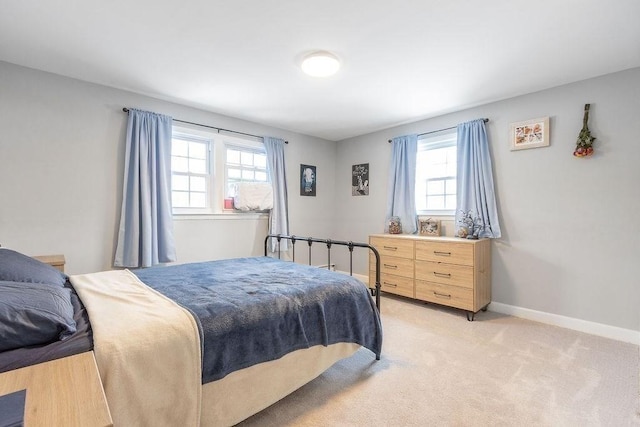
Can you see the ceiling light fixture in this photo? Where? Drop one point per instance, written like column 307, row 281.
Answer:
column 320, row 64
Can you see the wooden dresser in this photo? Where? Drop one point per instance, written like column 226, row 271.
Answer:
column 444, row 270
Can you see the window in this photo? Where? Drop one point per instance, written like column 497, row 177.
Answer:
column 436, row 173
column 190, row 171
column 244, row 164
column 205, row 166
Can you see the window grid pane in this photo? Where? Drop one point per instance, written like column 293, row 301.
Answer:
column 180, row 199
column 233, row 157
column 246, row 158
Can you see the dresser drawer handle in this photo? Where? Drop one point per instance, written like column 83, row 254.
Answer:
column 395, row 267
column 439, row 253
column 448, row 275
column 391, row 248
column 392, row 285
column 442, row 295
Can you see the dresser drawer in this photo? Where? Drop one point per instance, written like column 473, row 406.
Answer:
column 448, row 252
column 393, row 265
column 448, row 274
column 401, row 248
column 453, row 296
column 396, row 285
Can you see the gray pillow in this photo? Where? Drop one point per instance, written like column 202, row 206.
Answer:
column 16, row 267
column 32, row 314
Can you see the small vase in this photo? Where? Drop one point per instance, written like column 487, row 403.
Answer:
column 395, row 227
column 463, row 232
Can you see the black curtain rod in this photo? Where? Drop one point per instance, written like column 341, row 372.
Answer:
column 126, row 110
column 440, row 130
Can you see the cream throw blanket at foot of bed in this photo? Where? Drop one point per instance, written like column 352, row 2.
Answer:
column 147, row 349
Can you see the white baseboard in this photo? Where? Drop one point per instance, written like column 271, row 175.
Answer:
column 607, row 331
column 364, row 279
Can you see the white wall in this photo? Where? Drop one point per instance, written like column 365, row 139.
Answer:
column 570, row 225
column 61, row 168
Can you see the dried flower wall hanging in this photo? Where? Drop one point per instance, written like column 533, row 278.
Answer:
column 584, row 146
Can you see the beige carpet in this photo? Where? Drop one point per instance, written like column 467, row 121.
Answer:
column 437, row 369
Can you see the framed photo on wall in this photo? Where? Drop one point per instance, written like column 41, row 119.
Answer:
column 529, row 134
column 429, row 227
column 307, row 180
column 360, row 180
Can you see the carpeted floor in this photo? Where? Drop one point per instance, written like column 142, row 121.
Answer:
column 437, row 369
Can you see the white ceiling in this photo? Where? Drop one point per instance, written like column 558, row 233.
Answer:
column 401, row 60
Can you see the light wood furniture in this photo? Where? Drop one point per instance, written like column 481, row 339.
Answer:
column 56, row 261
column 63, row 392
column 444, row 270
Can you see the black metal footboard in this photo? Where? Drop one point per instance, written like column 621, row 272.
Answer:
column 375, row 291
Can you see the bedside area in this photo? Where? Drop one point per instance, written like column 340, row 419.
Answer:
column 62, row 392
column 56, row 261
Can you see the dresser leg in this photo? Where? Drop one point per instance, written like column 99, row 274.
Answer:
column 470, row 315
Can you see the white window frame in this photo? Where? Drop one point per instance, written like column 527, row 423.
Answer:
column 433, row 141
column 217, row 179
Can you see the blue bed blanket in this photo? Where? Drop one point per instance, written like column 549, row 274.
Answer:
column 253, row 310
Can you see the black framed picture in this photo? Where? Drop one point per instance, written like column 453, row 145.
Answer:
column 360, row 180
column 307, row 180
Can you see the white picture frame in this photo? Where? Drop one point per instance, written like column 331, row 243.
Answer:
column 527, row 134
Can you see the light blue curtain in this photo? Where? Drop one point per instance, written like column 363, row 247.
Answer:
column 401, row 199
column 475, row 177
column 145, row 237
column 279, row 215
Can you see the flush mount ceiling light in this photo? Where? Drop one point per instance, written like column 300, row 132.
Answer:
column 320, row 64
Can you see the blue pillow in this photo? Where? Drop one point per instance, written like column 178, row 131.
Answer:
column 32, row 314
column 16, row 267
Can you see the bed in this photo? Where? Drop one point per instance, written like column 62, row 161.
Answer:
column 198, row 344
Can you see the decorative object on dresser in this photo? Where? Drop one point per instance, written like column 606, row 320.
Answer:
column 470, row 225
column 443, row 270
column 429, row 227
column 395, row 226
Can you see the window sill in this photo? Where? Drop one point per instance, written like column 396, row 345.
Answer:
column 226, row 216
column 438, row 215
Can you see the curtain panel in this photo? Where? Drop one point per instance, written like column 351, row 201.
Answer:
column 401, row 198
column 475, row 188
column 279, row 214
column 145, row 235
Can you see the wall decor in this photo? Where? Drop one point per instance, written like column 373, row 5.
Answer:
column 360, row 180
column 584, row 145
column 429, row 227
column 307, row 180
column 529, row 134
